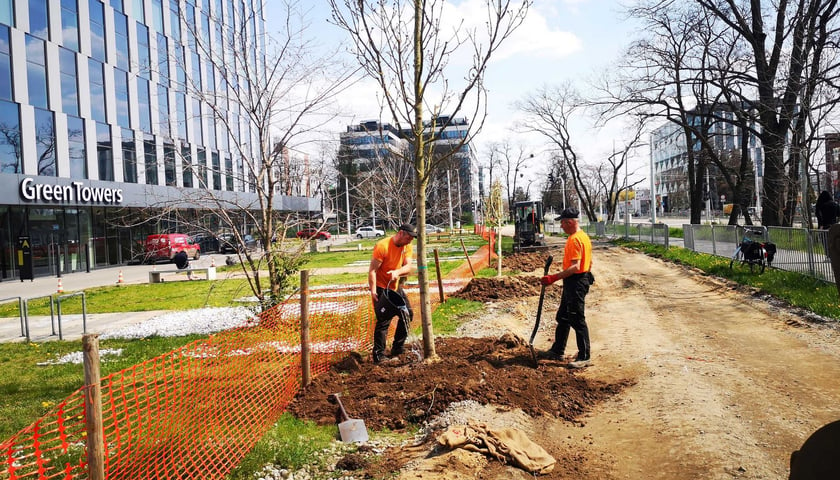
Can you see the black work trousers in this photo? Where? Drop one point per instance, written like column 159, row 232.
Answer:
column 391, row 304
column 572, row 314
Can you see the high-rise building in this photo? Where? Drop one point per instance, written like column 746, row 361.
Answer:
column 99, row 125
column 372, row 145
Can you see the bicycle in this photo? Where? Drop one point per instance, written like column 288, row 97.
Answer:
column 751, row 252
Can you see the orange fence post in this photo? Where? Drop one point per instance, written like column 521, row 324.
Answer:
column 440, row 279
column 93, row 408
column 305, row 346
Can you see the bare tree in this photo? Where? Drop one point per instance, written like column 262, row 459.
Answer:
column 265, row 98
column 405, row 47
column 786, row 58
column 549, row 112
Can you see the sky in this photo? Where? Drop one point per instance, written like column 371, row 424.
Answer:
column 561, row 40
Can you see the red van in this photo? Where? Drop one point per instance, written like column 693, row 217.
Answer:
column 164, row 246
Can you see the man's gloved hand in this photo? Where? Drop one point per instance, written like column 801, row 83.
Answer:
column 549, row 279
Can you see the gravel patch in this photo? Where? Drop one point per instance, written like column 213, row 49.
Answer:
column 176, row 324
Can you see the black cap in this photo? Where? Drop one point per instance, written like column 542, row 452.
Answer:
column 409, row 229
column 568, row 213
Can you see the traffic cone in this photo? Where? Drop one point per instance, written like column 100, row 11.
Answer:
column 212, row 262
column 60, row 288
column 120, row 280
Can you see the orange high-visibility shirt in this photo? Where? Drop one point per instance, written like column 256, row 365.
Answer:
column 392, row 258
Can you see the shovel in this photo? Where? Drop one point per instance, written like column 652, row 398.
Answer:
column 539, row 314
column 350, row 429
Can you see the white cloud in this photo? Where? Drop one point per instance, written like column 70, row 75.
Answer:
column 534, row 38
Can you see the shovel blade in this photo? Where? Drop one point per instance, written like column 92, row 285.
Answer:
column 353, row 430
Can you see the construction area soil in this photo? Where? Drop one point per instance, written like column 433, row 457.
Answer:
column 692, row 378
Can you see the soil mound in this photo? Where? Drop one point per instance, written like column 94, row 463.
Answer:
column 485, row 370
column 528, row 261
column 488, row 289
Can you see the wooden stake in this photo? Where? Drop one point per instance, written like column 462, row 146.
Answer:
column 305, row 347
column 440, row 280
column 464, row 248
column 93, row 407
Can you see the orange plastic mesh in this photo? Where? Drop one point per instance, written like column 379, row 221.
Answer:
column 196, row 411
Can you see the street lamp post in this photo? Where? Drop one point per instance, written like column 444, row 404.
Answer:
column 449, row 194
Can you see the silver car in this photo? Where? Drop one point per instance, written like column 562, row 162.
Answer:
column 368, row 232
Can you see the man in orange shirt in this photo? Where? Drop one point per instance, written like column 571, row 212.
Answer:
column 391, row 260
column 576, row 276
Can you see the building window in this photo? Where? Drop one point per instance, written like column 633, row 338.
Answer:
column 198, row 133
column 69, row 87
column 186, row 162
column 121, row 93
column 157, row 15
column 181, row 108
column 70, row 24
column 144, row 52
column 129, row 151
column 39, row 15
column 240, row 170
column 97, row 30
column 45, row 142
column 97, row 90
column 196, row 71
column 175, row 22
column 36, row 72
column 144, row 106
column 163, row 59
column 104, row 152
column 138, row 12
column 163, row 111
column 76, row 143
column 117, row 5
column 121, row 40
column 5, row 65
column 10, row 152
column 169, row 164
column 150, row 163
column 201, row 170
column 228, row 173
column 7, row 12
column 217, row 171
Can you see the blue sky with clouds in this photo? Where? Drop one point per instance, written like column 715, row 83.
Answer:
column 560, row 40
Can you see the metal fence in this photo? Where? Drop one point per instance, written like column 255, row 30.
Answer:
column 798, row 250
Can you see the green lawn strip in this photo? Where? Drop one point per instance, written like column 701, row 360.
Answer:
column 799, row 290
column 28, row 390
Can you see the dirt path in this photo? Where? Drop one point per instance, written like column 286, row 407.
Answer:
column 692, row 379
column 726, row 386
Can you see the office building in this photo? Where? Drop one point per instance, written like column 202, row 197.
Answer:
column 102, row 141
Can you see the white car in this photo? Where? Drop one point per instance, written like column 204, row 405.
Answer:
column 368, row 232
column 433, row 228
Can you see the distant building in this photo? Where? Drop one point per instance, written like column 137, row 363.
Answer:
column 669, row 155
column 832, row 162
column 371, row 144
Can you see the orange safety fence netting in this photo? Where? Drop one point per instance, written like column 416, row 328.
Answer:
column 196, row 411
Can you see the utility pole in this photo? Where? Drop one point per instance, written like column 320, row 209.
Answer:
column 347, row 199
column 449, row 193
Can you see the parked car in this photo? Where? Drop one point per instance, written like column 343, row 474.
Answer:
column 207, row 242
column 229, row 244
column 433, row 228
column 313, row 233
column 164, row 246
column 368, row 232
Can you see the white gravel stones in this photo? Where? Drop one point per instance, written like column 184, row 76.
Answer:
column 175, row 324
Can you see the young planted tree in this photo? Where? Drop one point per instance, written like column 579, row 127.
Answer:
column 406, row 47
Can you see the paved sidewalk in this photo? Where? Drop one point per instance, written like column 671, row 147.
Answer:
column 41, row 328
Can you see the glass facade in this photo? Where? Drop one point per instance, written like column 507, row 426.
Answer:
column 108, row 102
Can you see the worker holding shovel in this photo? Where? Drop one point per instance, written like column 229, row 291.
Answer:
column 391, row 260
column 576, row 276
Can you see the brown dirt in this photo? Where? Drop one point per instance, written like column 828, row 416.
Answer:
column 489, row 371
column 692, row 379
